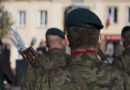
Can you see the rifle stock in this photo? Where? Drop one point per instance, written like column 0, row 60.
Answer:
column 101, row 54
column 30, row 55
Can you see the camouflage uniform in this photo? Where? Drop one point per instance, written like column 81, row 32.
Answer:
column 29, row 78
column 123, row 62
column 84, row 60
column 95, row 75
column 56, row 75
column 110, row 78
column 87, row 66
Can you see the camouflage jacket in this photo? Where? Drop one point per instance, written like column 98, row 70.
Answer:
column 110, row 78
column 96, row 75
column 123, row 62
column 28, row 80
column 87, row 66
column 55, row 76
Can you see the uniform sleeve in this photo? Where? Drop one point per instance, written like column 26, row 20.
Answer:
column 29, row 78
column 118, row 63
column 110, row 78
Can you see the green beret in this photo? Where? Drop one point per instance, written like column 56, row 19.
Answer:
column 55, row 31
column 125, row 29
column 83, row 17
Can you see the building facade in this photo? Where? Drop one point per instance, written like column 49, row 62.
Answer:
column 33, row 17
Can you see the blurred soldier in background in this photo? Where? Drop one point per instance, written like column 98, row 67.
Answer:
column 33, row 42
column 110, row 53
column 41, row 50
column 55, row 75
column 123, row 61
column 55, row 38
column 1, row 69
column 5, row 68
column 53, row 63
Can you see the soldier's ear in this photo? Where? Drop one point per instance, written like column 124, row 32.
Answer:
column 47, row 44
column 66, row 40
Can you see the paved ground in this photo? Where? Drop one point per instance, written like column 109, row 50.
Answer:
column 15, row 88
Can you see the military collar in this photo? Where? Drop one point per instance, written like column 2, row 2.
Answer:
column 88, row 51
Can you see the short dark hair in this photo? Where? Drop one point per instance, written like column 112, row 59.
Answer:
column 125, row 29
column 80, row 37
column 126, row 37
column 52, row 41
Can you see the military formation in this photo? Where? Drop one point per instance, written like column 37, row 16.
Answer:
column 82, row 69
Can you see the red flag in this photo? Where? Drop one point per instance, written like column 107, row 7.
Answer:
column 110, row 18
column 107, row 22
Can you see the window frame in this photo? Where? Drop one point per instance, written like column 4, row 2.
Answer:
column 22, row 17
column 113, row 9
column 43, row 18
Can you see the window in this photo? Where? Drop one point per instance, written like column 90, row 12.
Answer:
column 113, row 14
column 43, row 18
column 22, row 18
column 129, row 15
column 78, row 1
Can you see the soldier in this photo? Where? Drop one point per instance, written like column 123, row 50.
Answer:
column 123, row 61
column 53, row 63
column 83, row 29
column 56, row 76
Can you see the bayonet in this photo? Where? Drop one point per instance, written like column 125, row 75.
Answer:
column 28, row 53
column 18, row 40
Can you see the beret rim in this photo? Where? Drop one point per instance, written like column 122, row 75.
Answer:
column 56, row 32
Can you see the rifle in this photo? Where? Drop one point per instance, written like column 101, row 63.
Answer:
column 28, row 53
column 101, row 54
column 103, row 57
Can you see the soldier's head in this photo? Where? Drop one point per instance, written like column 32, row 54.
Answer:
column 126, row 36
column 83, row 28
column 55, row 38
